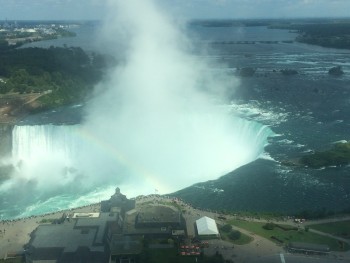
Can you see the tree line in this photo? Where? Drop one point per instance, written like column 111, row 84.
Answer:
column 66, row 74
column 327, row 34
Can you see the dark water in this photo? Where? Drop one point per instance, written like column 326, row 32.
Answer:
column 87, row 34
column 309, row 111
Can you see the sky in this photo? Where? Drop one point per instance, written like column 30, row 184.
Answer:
column 183, row 9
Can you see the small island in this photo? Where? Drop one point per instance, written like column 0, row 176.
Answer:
column 288, row 72
column 336, row 71
column 339, row 155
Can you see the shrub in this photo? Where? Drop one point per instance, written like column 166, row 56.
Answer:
column 226, row 228
column 234, row 235
column 269, row 226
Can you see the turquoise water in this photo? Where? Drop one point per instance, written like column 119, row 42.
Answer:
column 307, row 112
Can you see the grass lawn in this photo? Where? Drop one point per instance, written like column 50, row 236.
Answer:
column 244, row 239
column 341, row 229
column 170, row 255
column 167, row 255
column 12, row 260
column 289, row 236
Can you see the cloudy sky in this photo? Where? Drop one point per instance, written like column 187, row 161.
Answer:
column 96, row 9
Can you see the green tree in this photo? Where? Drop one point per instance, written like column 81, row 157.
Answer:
column 226, row 228
column 234, row 235
column 269, row 226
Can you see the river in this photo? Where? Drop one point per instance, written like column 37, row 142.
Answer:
column 303, row 113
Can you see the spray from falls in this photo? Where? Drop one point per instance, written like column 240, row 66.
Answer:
column 156, row 122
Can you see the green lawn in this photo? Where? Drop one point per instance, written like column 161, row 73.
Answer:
column 341, row 229
column 289, row 236
column 166, row 255
column 171, row 256
column 244, row 239
column 12, row 260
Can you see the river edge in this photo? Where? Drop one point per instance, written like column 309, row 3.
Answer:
column 15, row 234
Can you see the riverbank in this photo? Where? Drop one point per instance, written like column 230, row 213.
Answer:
column 14, row 234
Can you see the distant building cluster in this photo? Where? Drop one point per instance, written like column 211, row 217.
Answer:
column 14, row 32
column 115, row 234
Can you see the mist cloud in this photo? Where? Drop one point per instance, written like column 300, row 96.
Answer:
column 160, row 107
column 159, row 120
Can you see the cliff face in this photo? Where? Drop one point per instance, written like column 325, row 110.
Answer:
column 5, row 140
column 14, row 106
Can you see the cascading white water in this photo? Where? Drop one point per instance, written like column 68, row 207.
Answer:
column 30, row 143
column 47, row 153
column 153, row 124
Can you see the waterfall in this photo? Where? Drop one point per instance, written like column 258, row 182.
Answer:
column 39, row 142
column 57, row 164
column 40, row 146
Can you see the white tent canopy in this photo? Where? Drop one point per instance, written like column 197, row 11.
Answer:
column 206, row 226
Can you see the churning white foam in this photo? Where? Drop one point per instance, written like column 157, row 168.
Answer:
column 155, row 122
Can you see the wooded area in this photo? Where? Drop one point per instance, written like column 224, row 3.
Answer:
column 66, row 75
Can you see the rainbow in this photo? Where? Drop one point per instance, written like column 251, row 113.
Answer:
column 140, row 171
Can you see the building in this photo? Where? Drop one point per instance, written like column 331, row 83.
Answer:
column 207, row 228
column 155, row 221
column 80, row 238
column 125, row 248
column 117, row 203
column 116, row 234
column 151, row 221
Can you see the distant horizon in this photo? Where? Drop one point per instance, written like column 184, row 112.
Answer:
column 178, row 9
column 192, row 19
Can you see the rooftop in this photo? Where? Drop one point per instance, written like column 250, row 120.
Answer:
column 158, row 214
column 75, row 233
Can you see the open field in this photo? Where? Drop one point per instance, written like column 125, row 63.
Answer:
column 341, row 229
column 285, row 237
column 12, row 260
column 171, row 255
column 242, row 240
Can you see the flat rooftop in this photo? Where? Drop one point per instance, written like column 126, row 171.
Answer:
column 86, row 215
column 158, row 214
column 63, row 236
column 87, row 231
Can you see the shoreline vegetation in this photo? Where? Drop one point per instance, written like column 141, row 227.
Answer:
column 325, row 32
column 337, row 156
column 37, row 79
column 330, row 34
